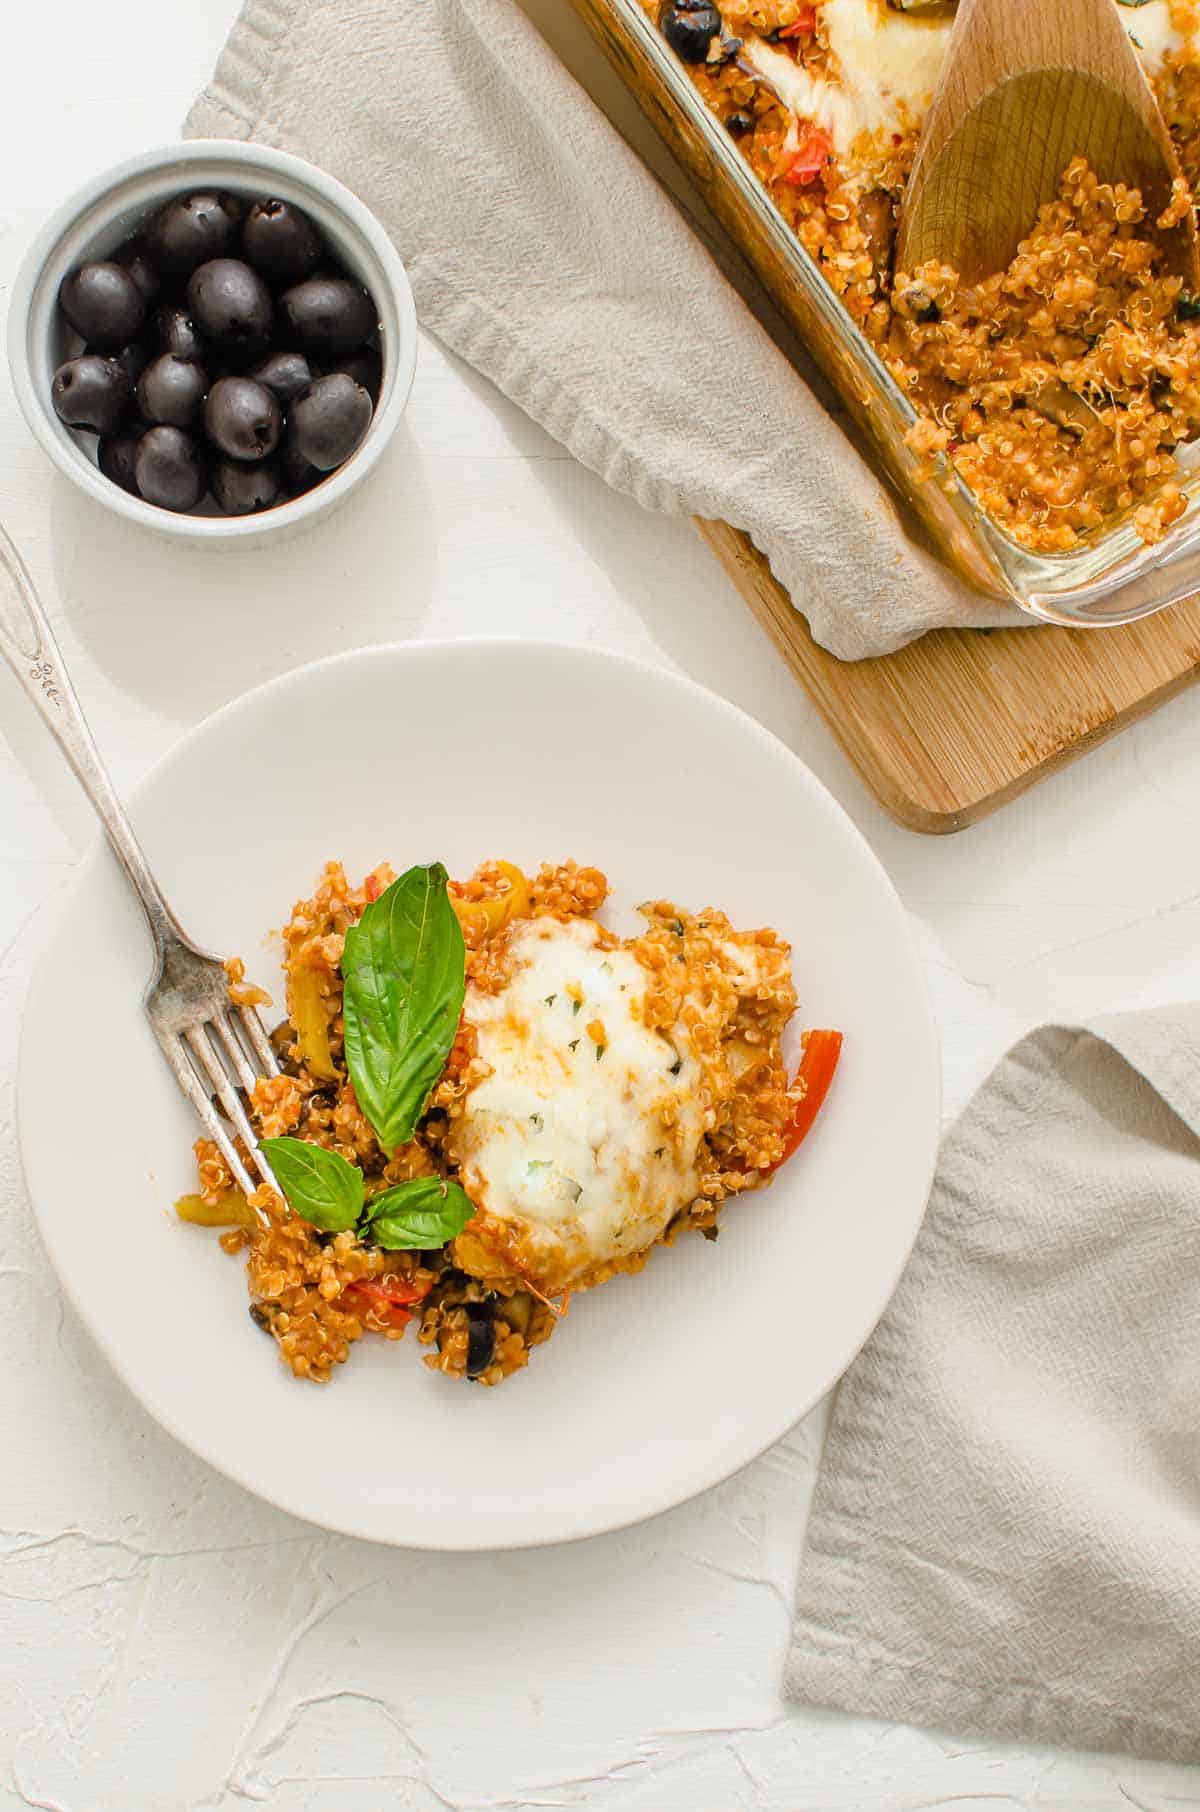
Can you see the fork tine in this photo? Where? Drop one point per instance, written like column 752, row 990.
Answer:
column 235, row 1051
column 260, row 1044
column 189, row 1081
column 201, row 1044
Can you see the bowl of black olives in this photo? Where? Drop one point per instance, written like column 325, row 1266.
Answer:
column 217, row 340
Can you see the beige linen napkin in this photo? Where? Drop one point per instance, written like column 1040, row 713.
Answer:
column 542, row 251
column 1005, row 1538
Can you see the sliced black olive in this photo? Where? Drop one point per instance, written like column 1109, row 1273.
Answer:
column 739, row 123
column 321, row 1100
column 916, row 301
column 689, row 26
column 481, row 1336
column 1187, row 308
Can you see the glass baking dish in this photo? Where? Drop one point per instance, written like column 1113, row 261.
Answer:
column 1114, row 578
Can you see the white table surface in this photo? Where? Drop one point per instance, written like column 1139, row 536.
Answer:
column 167, row 1642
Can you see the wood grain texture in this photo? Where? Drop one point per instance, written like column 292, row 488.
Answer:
column 956, row 724
column 1026, row 87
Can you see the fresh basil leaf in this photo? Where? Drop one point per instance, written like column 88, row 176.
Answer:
column 403, row 974
column 418, row 1215
column 320, row 1186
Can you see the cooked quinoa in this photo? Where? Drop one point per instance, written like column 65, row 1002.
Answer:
column 485, row 1298
column 1085, row 303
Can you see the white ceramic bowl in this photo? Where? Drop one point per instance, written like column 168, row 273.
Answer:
column 116, row 204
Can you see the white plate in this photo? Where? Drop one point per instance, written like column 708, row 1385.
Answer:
column 656, row 1386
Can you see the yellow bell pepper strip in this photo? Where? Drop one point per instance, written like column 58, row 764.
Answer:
column 232, row 1210
column 487, row 917
column 310, row 1016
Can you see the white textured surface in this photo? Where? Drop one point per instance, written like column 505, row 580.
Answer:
column 169, row 1645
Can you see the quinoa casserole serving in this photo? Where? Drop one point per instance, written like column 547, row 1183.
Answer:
column 489, row 1101
column 826, row 102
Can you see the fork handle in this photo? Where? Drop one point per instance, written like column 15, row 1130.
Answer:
column 28, row 644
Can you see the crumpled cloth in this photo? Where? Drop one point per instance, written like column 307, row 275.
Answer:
column 1005, row 1536
column 542, row 251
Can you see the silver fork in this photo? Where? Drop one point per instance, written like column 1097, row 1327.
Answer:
column 213, row 1047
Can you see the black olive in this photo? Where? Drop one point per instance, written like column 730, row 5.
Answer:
column 330, row 421
column 91, row 392
column 194, row 228
column 175, row 331
column 242, row 418
column 245, row 490
column 740, row 123
column 287, row 376
column 259, row 1317
column 281, row 242
column 231, row 304
column 116, row 456
column 689, row 26
column 328, row 315
column 132, row 359
column 103, row 304
column 172, row 390
column 170, row 469
column 134, row 256
column 366, row 368
column 481, row 1336
column 298, row 475
column 1187, row 308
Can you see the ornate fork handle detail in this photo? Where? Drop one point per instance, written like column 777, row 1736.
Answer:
column 28, row 644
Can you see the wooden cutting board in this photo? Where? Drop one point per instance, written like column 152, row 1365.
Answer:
column 952, row 726
column 956, row 724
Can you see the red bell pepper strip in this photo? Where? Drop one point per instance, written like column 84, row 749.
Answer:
column 803, row 26
column 817, row 1066
column 814, row 152
column 388, row 1303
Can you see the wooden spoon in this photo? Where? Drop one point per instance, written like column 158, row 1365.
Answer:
column 1028, row 85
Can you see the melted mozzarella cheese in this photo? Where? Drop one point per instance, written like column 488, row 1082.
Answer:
column 885, row 68
column 1153, row 32
column 886, row 65
column 586, row 1155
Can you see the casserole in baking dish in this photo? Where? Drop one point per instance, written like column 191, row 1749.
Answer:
column 800, row 122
